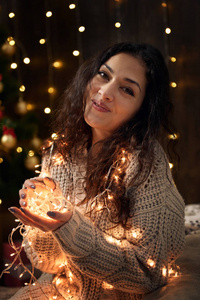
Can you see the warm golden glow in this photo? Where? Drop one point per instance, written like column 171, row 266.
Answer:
column 107, row 286
column 173, row 59
column 31, row 153
column 72, row 6
column 117, row 24
column 13, row 66
column 164, row 272
column 123, row 159
column 42, row 41
column 164, row 4
column 173, row 84
column 30, row 106
column 47, row 110
column 134, row 235
column 54, row 136
column 22, row 88
column 76, row 53
column 171, row 165
column 151, row 263
column 51, row 90
column 168, row 30
column 173, row 136
column 19, row 149
column 11, row 15
column 49, row 14
column 12, row 43
column 26, row 60
column 0, row 201
column 1, row 160
column 57, row 64
column 110, row 197
column 81, row 29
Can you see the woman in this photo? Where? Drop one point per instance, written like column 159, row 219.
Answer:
column 126, row 225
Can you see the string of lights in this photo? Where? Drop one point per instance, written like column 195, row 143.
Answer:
column 169, row 58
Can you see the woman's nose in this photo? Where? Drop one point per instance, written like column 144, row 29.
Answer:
column 107, row 92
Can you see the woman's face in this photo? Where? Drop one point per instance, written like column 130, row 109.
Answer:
column 114, row 95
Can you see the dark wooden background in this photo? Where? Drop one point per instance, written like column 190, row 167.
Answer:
column 142, row 21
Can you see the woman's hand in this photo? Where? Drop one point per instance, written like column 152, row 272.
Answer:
column 44, row 224
column 39, row 184
column 31, row 187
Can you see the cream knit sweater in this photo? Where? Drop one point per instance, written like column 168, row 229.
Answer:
column 87, row 260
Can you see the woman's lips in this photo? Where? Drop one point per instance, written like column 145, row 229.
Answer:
column 100, row 106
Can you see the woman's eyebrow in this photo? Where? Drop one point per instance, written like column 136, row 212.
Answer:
column 126, row 79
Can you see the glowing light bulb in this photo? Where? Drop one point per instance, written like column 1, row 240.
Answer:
column 173, row 136
column 19, row 149
column 47, row 110
column 107, row 286
column 57, row 64
column 164, row 4
column 51, row 90
column 30, row 106
column 54, row 136
column 49, row 14
column 12, row 42
column 11, row 15
column 0, row 201
column 164, row 272
column 26, row 60
column 173, row 84
column 171, row 165
column 173, row 59
column 1, row 160
column 42, row 41
column 151, row 263
column 168, row 30
column 22, row 88
column 81, row 29
column 134, row 235
column 72, row 6
column 110, row 197
column 117, row 24
column 76, row 53
column 13, row 66
column 31, row 153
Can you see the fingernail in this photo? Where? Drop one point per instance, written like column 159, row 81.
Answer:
column 51, row 214
column 12, row 210
column 24, row 203
column 23, row 196
column 33, row 186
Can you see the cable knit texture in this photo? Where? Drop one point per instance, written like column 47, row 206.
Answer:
column 89, row 259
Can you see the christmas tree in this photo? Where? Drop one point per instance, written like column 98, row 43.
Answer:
column 19, row 142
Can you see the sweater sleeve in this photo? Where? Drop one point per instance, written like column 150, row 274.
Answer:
column 137, row 261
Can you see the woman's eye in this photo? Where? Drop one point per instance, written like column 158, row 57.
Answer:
column 128, row 91
column 103, row 74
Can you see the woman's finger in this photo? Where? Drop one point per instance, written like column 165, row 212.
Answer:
column 59, row 216
column 49, row 182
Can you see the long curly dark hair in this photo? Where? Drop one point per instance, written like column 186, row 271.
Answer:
column 139, row 132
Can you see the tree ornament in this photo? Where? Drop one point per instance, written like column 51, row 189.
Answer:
column 8, row 138
column 36, row 142
column 8, row 49
column 31, row 161
column 21, row 107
